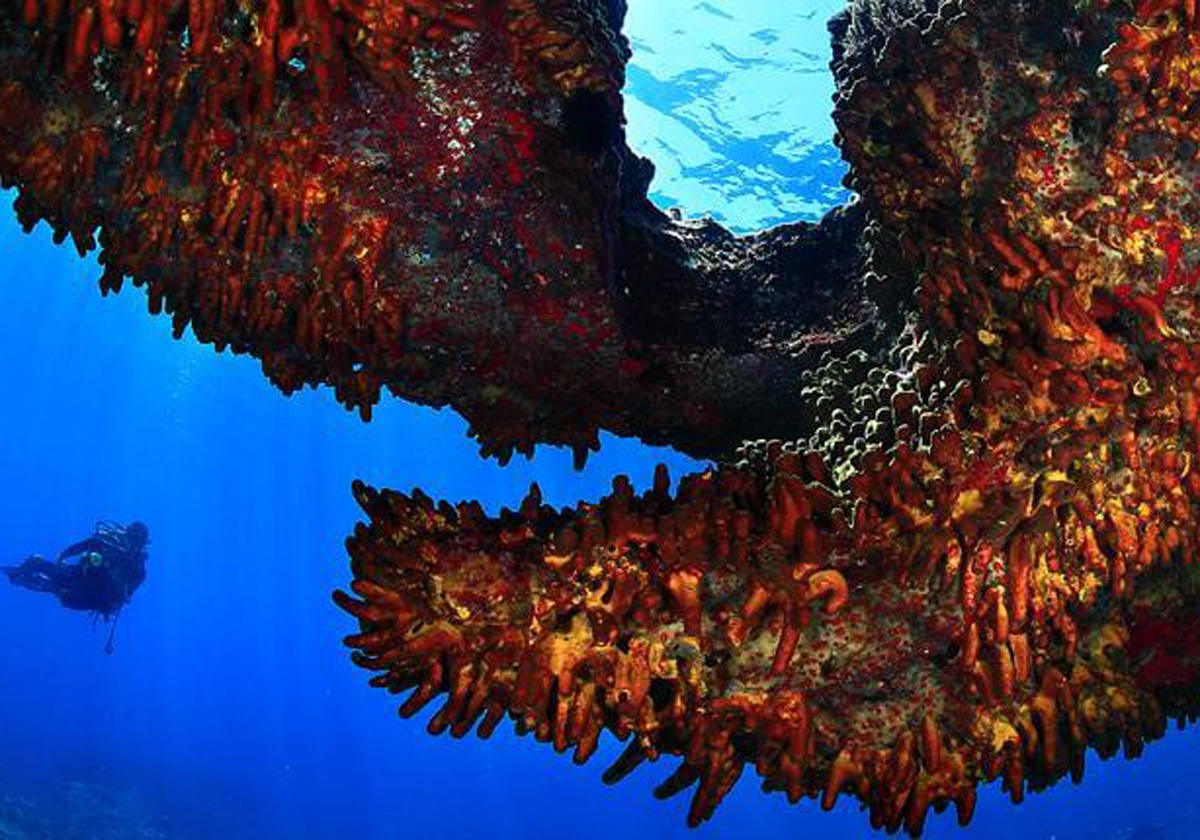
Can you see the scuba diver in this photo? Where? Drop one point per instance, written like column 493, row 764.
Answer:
column 109, row 566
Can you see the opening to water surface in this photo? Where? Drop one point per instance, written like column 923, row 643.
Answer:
column 732, row 102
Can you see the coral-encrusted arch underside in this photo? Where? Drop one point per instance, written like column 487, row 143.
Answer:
column 951, row 533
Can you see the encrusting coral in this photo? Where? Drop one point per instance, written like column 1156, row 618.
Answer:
column 951, row 534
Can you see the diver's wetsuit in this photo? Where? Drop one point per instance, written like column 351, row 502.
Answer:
column 111, row 567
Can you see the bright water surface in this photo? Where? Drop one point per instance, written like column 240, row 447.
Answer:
column 230, row 708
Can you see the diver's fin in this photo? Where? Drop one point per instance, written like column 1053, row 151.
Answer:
column 35, row 573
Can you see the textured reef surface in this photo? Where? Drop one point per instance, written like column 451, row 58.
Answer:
column 951, row 536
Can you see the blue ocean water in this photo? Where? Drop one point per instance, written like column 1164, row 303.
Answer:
column 229, row 708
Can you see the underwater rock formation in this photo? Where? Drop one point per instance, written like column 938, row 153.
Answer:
column 952, row 532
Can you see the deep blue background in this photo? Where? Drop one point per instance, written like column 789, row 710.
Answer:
column 230, row 707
